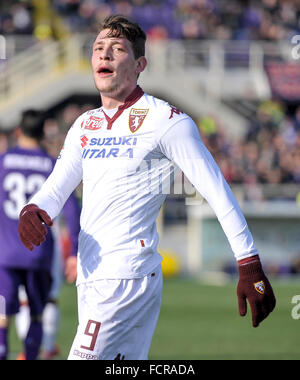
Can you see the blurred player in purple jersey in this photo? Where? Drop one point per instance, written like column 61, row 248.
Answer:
column 23, row 169
column 64, row 264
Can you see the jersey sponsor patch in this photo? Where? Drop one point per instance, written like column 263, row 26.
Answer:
column 84, row 141
column 122, row 146
column 259, row 287
column 93, row 123
column 136, row 118
column 107, row 153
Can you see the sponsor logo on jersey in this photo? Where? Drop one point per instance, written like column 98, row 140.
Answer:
column 84, row 141
column 121, row 147
column 93, row 123
column 123, row 140
column 259, row 287
column 136, row 118
column 84, row 355
column 107, row 153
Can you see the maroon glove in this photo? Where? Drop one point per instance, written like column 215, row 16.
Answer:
column 254, row 286
column 31, row 229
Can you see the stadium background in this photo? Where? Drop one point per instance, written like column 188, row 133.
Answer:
column 234, row 67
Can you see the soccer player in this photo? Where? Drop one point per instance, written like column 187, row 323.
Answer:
column 23, row 170
column 124, row 153
column 60, row 267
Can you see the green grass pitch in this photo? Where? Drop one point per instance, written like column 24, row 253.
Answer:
column 200, row 321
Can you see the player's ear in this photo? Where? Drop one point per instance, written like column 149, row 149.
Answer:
column 141, row 64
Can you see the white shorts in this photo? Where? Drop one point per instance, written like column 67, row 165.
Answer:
column 117, row 318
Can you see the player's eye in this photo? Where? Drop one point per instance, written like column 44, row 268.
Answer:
column 119, row 48
column 98, row 48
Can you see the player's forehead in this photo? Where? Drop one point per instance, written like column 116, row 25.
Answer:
column 106, row 36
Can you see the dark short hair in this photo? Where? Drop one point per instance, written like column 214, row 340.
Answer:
column 120, row 26
column 32, row 123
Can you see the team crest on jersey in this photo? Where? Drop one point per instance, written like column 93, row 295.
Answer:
column 136, row 118
column 259, row 287
column 93, row 123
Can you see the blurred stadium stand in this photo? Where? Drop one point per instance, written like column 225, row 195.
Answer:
column 229, row 64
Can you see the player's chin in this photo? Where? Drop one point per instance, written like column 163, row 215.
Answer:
column 105, row 87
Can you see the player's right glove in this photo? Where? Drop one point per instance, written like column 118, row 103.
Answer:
column 254, row 286
column 31, row 229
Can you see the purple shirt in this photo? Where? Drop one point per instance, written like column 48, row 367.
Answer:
column 22, row 173
column 71, row 213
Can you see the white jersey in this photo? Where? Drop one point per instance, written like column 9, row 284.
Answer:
column 125, row 162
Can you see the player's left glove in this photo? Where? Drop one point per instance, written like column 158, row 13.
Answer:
column 254, row 286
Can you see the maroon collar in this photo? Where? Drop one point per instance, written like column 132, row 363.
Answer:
column 129, row 101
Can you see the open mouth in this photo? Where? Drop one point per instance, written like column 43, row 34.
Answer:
column 104, row 71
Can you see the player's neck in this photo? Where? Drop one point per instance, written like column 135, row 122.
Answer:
column 27, row 142
column 111, row 101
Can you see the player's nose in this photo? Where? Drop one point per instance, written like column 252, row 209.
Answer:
column 105, row 54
